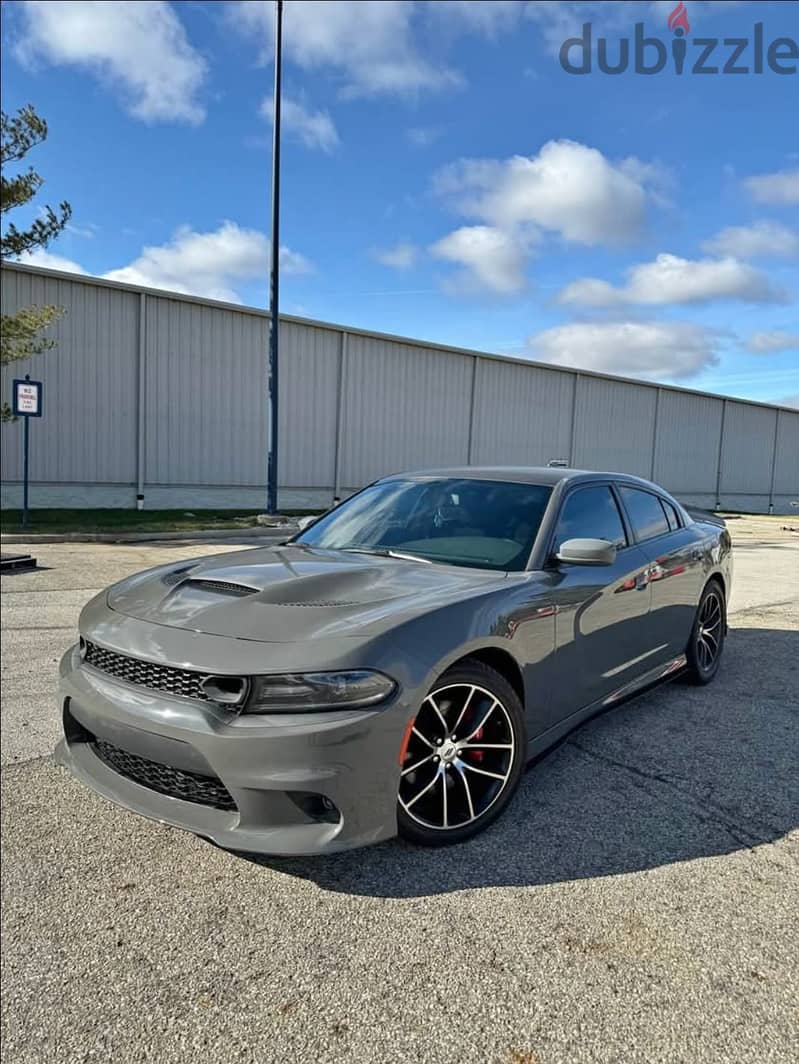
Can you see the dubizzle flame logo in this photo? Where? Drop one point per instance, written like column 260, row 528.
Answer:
column 678, row 19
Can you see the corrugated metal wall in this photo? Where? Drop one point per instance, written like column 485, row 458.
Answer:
column 614, row 425
column 89, row 433
column 165, row 396
column 786, row 461
column 204, row 388
column 403, row 407
column 688, row 442
column 521, row 410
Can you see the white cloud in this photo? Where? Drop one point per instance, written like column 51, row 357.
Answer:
column 207, row 264
column 781, row 187
column 200, row 264
column 400, row 257
column 486, row 17
column 492, row 259
column 423, row 136
column 771, row 341
column 760, row 240
column 314, row 128
column 49, row 261
column 659, row 350
column 670, row 279
column 369, row 43
column 568, row 188
column 86, row 232
column 561, row 19
column 138, row 48
column 790, row 400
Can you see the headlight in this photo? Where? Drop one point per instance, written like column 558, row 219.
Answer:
column 299, row 692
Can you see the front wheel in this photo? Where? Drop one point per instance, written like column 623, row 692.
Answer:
column 464, row 757
column 707, row 636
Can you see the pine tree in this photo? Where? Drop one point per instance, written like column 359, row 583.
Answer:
column 20, row 333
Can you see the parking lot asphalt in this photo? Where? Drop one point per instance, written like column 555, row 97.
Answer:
column 637, row 902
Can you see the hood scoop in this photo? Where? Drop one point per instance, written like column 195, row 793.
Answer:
column 243, row 595
column 321, row 605
column 224, row 587
column 176, row 576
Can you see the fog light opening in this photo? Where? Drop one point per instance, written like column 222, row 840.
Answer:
column 225, row 690
column 316, row 807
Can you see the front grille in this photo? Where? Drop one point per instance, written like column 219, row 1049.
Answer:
column 146, row 673
column 175, row 782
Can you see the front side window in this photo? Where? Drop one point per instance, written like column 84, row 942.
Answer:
column 647, row 516
column 591, row 513
column 483, row 524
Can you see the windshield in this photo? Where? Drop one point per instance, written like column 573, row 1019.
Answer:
column 483, row 524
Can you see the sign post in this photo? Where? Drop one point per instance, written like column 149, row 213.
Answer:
column 27, row 404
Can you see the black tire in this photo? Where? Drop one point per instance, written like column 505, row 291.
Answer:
column 444, row 782
column 706, row 644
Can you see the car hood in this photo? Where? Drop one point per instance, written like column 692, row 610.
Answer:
column 283, row 594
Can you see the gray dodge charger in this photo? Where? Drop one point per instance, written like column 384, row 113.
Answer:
column 393, row 667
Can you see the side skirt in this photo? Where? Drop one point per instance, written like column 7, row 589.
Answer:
column 651, row 678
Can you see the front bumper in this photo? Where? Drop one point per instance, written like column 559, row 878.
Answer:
column 278, row 769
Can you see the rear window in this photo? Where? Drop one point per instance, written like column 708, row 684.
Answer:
column 646, row 513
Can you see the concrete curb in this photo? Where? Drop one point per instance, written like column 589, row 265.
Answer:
column 271, row 535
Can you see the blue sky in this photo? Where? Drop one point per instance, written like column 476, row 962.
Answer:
column 443, row 176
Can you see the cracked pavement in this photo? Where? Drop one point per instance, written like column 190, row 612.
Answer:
column 637, row 902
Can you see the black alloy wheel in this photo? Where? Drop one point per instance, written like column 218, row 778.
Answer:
column 707, row 637
column 464, row 756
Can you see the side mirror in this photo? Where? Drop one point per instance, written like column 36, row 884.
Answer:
column 305, row 522
column 587, row 552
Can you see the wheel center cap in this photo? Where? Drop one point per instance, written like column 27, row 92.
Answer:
column 448, row 750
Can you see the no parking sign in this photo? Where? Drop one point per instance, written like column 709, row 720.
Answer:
column 27, row 398
column 27, row 403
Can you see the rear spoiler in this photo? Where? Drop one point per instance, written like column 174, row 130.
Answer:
column 705, row 515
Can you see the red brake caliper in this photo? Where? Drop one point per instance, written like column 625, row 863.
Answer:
column 477, row 755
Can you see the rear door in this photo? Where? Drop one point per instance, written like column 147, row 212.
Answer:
column 603, row 633
column 675, row 574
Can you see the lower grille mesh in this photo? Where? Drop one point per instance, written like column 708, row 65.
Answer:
column 175, row 782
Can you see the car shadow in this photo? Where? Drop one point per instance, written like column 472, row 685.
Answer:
column 681, row 773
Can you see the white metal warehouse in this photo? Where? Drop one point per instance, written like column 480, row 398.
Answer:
column 163, row 396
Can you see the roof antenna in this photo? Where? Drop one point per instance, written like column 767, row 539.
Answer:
column 557, row 463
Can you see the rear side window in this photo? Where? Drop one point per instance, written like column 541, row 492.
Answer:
column 671, row 515
column 591, row 513
column 647, row 516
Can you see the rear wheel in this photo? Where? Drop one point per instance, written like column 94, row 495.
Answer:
column 464, row 757
column 707, row 637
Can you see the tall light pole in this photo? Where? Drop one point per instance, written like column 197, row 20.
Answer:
column 274, row 314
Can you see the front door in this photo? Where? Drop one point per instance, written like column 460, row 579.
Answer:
column 603, row 633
